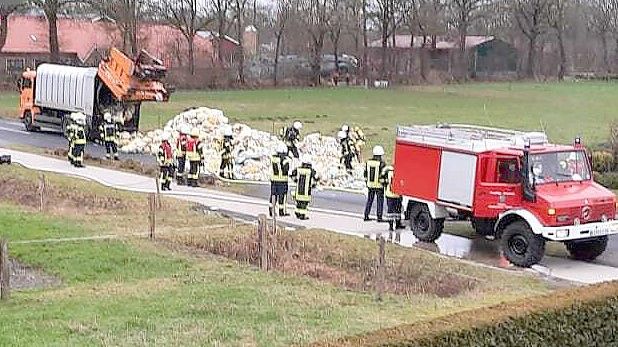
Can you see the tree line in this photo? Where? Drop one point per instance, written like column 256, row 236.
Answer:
column 576, row 34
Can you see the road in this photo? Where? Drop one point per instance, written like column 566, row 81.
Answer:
column 334, row 202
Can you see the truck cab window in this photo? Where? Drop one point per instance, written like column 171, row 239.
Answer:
column 508, row 171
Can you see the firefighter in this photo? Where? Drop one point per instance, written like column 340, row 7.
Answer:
column 109, row 135
column 165, row 158
column 181, row 154
column 373, row 177
column 70, row 133
column 77, row 141
column 306, row 179
column 393, row 202
column 195, row 156
column 347, row 153
column 280, row 163
column 226, row 169
column 291, row 137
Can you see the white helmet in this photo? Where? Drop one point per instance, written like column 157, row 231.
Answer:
column 378, row 150
column 166, row 136
column 342, row 134
column 306, row 159
column 81, row 120
column 345, row 128
column 227, row 131
column 282, row 148
column 107, row 116
column 297, row 125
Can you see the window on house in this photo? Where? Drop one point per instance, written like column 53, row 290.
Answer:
column 15, row 65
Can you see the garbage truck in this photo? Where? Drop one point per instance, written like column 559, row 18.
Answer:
column 51, row 92
column 514, row 186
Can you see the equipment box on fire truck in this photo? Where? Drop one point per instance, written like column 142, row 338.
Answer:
column 49, row 94
column 512, row 185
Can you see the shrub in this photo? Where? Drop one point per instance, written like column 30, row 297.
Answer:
column 607, row 179
column 602, row 161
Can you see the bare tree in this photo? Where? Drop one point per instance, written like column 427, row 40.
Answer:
column 185, row 15
column 238, row 7
column 531, row 17
column 335, row 25
column 464, row 13
column 557, row 21
column 126, row 14
column 284, row 8
column 221, row 9
column 314, row 15
column 601, row 22
column 385, row 14
column 51, row 8
column 426, row 19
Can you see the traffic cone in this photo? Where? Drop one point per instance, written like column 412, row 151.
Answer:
column 503, row 262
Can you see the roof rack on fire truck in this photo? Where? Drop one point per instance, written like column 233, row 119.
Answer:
column 469, row 137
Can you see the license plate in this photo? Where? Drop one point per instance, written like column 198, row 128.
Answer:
column 603, row 230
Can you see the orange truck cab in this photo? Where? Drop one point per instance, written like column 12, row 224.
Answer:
column 49, row 94
column 515, row 186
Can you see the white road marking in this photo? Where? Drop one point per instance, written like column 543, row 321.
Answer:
column 15, row 131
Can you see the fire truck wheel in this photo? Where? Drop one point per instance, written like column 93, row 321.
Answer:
column 29, row 123
column 424, row 227
column 587, row 250
column 520, row 245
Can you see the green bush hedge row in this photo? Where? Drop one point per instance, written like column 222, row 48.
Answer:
column 592, row 323
column 607, row 179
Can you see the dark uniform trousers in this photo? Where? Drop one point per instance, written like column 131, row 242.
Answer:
column 279, row 195
column 373, row 194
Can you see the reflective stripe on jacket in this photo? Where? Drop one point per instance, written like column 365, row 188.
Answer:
column 372, row 172
column 79, row 135
column 387, row 174
column 304, row 182
column 280, row 168
column 108, row 132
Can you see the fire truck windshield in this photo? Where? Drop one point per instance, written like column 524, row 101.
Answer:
column 559, row 167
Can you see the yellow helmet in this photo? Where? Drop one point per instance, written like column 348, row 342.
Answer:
column 195, row 132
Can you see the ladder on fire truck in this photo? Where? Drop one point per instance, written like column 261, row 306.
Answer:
column 469, row 137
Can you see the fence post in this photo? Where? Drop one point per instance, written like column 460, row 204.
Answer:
column 5, row 270
column 152, row 214
column 262, row 241
column 380, row 267
column 158, row 182
column 41, row 192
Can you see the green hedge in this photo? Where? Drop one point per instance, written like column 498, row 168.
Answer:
column 607, row 179
column 602, row 161
column 582, row 324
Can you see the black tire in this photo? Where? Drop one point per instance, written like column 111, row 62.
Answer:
column 424, row 227
column 28, row 122
column 520, row 245
column 587, row 250
column 484, row 227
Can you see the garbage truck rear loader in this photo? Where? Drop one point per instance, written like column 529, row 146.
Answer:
column 49, row 94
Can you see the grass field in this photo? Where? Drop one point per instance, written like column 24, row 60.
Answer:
column 565, row 109
column 132, row 291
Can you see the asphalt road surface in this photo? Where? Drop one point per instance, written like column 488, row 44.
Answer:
column 477, row 249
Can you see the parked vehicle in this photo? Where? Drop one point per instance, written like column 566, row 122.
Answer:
column 513, row 185
column 49, row 94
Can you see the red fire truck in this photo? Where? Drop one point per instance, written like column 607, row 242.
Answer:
column 513, row 185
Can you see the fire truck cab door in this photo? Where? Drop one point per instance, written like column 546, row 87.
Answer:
column 499, row 187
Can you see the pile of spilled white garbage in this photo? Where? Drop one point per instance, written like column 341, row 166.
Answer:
column 252, row 148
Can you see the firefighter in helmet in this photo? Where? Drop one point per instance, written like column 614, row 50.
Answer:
column 393, row 202
column 109, row 134
column 280, row 163
column 226, row 169
column 373, row 178
column 195, row 156
column 358, row 138
column 165, row 158
column 347, row 152
column 69, row 134
column 291, row 137
column 181, row 153
column 77, row 140
column 306, row 179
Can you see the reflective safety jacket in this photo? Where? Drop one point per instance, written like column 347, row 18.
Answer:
column 306, row 178
column 227, row 148
column 165, row 156
column 387, row 177
column 181, row 145
column 280, row 168
column 78, row 136
column 373, row 173
column 194, row 149
column 108, row 132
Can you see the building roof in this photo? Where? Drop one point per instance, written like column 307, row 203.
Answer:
column 29, row 34
column 403, row 41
